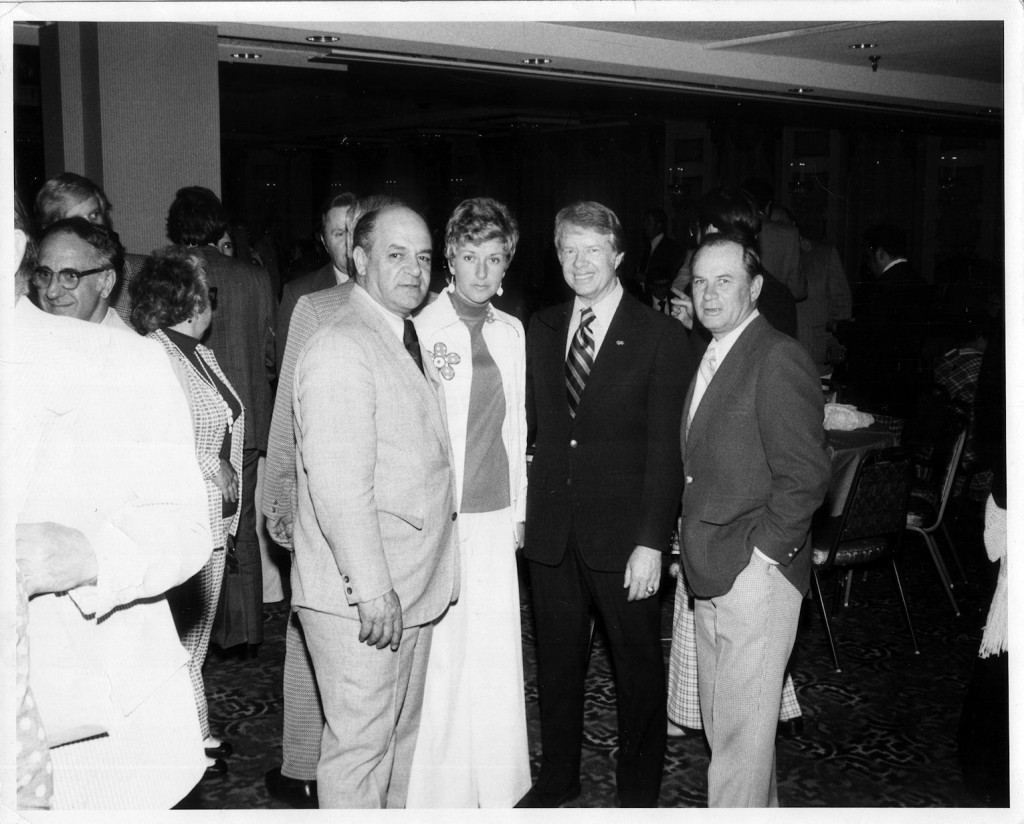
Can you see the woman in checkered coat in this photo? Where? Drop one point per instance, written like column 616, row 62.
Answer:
column 172, row 304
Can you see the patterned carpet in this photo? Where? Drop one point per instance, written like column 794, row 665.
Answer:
column 882, row 733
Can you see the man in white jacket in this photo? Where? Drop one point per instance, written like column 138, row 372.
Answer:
column 98, row 451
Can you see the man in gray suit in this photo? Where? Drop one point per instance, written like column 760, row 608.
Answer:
column 756, row 470
column 376, row 558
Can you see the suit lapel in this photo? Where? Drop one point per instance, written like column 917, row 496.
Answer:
column 615, row 355
column 727, row 380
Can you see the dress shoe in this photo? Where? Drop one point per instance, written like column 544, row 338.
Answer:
column 222, row 749
column 537, row 798
column 792, row 728
column 217, row 768
column 291, row 791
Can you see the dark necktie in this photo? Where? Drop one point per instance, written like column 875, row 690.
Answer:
column 412, row 343
column 580, row 360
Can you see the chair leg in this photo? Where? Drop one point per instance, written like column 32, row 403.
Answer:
column 954, row 551
column 837, row 593
column 903, row 603
column 940, row 566
column 816, row 587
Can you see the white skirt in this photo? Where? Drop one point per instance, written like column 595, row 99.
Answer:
column 472, row 749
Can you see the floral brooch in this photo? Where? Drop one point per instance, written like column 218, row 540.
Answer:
column 445, row 360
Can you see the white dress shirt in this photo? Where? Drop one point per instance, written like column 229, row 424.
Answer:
column 395, row 322
column 604, row 311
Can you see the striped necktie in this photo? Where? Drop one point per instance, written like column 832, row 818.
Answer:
column 705, row 372
column 580, row 360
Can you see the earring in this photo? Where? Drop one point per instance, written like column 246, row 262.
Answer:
column 451, row 286
column 500, row 291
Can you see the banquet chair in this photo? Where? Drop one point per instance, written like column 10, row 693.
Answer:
column 870, row 528
column 930, row 495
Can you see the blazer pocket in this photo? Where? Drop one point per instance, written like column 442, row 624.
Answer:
column 415, row 521
column 728, row 509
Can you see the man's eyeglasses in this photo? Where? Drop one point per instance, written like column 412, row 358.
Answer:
column 68, row 278
column 212, row 294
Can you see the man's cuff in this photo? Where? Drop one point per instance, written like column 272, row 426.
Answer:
column 764, row 557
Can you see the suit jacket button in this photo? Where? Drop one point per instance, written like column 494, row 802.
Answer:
column 689, row 479
column 573, row 443
column 348, row 590
column 346, row 579
column 455, row 515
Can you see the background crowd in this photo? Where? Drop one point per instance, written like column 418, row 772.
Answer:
column 306, row 410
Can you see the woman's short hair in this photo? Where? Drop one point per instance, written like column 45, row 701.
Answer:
column 196, row 217
column 588, row 214
column 479, row 219
column 62, row 192
column 732, row 212
column 170, row 288
column 100, row 238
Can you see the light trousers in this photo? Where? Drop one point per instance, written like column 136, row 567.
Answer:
column 744, row 640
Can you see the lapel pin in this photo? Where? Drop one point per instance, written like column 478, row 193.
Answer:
column 620, row 343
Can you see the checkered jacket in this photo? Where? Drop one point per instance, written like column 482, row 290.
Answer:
column 207, row 410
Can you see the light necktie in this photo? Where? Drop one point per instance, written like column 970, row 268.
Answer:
column 580, row 360
column 412, row 342
column 705, row 372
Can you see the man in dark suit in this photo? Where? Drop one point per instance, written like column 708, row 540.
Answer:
column 886, row 352
column 661, row 258
column 334, row 236
column 606, row 378
column 242, row 337
column 756, row 470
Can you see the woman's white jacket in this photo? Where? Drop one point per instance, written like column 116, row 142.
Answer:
column 443, row 335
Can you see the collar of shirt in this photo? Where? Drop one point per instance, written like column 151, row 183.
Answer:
column 604, row 311
column 723, row 345
column 339, row 276
column 395, row 322
column 893, row 263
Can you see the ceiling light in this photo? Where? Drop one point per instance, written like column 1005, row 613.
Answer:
column 246, row 55
column 536, row 61
column 801, row 90
column 863, row 45
column 323, row 38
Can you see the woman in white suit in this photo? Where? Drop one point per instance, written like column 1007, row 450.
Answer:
column 472, row 746
column 173, row 305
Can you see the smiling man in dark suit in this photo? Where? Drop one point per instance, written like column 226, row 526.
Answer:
column 756, row 470
column 606, row 378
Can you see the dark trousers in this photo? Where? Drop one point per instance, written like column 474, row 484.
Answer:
column 247, row 550
column 564, row 597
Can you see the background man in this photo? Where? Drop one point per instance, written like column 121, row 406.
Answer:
column 333, row 235
column 242, row 337
column 78, row 269
column 777, row 243
column 605, row 383
column 660, row 260
column 71, row 195
column 756, row 470
column 376, row 558
column 886, row 354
